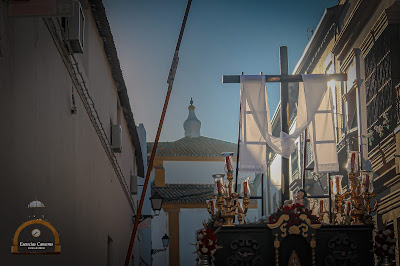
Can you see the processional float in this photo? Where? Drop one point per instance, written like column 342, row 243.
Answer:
column 284, row 237
column 360, row 190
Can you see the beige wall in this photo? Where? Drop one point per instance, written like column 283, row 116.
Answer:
column 56, row 157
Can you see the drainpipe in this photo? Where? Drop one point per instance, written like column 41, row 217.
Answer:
column 362, row 142
column 268, row 176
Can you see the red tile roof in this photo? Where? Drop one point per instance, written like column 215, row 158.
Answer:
column 193, row 147
column 185, row 193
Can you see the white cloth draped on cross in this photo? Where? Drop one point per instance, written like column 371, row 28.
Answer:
column 314, row 110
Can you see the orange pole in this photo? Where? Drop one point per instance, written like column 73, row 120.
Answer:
column 153, row 152
column 146, row 182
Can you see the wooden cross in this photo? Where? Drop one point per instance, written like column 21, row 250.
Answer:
column 284, row 78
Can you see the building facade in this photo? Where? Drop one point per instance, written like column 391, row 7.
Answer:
column 182, row 174
column 359, row 38
column 144, row 228
column 68, row 132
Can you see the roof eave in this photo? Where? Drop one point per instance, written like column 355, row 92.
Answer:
column 110, row 50
column 328, row 18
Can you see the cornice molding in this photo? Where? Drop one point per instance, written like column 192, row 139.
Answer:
column 343, row 34
column 389, row 202
column 191, row 158
column 318, row 39
column 353, row 26
column 391, row 15
column 347, row 62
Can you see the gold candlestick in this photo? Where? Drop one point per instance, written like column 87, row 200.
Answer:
column 338, row 202
column 367, row 196
column 231, row 203
column 227, row 202
column 360, row 201
column 357, row 212
column 228, row 213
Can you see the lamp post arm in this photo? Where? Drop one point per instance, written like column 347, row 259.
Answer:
column 155, row 251
column 143, row 217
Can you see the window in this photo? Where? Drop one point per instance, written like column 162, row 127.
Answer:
column 379, row 87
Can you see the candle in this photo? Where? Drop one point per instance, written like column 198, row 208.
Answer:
column 337, row 185
column 245, row 187
column 240, row 202
column 228, row 163
column 353, row 161
column 321, row 206
column 348, row 207
column 219, row 185
column 212, row 206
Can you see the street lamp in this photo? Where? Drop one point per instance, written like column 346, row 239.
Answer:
column 156, row 204
column 165, row 242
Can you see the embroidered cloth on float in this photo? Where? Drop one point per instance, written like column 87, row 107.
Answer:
column 314, row 110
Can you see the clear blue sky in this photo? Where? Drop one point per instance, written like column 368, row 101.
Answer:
column 221, row 37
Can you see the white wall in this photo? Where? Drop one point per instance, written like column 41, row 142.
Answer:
column 275, row 186
column 190, row 221
column 195, row 172
column 276, row 170
column 252, row 215
column 191, row 172
column 159, row 227
column 55, row 156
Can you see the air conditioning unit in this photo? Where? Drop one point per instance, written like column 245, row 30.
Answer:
column 76, row 29
column 116, row 138
column 134, row 189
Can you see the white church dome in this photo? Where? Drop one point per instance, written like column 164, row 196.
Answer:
column 192, row 124
column 35, row 204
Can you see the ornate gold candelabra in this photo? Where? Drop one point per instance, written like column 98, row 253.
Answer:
column 360, row 193
column 225, row 202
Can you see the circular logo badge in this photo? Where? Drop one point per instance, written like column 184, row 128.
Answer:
column 36, row 232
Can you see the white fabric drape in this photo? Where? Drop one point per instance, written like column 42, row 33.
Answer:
column 314, row 110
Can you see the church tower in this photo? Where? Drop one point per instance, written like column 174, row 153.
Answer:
column 192, row 124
